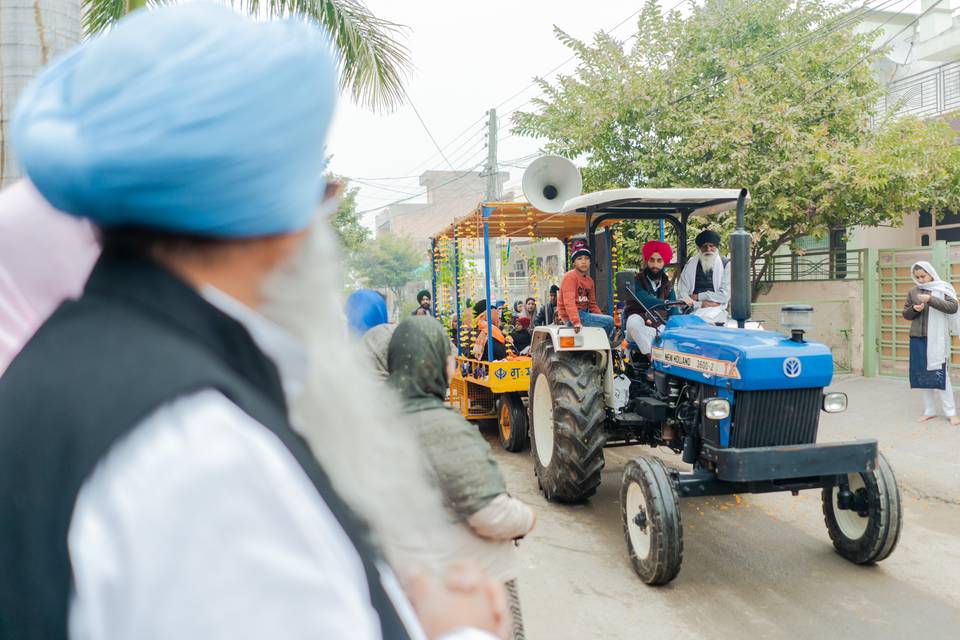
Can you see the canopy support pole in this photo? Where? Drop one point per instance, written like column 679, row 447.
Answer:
column 486, row 277
column 456, row 286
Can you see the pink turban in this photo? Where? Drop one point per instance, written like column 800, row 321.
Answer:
column 658, row 246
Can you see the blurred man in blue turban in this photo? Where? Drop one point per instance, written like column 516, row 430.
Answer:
column 151, row 482
column 365, row 309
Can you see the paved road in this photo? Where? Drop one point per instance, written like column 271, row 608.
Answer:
column 762, row 567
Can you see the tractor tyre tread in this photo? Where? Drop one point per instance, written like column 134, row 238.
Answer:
column 573, row 474
column 883, row 531
column 663, row 511
column 519, row 437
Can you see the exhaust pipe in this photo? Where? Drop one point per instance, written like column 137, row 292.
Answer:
column 740, row 296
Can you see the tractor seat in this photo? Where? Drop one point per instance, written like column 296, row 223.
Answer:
column 625, row 280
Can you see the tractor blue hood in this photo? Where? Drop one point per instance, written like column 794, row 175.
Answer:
column 740, row 359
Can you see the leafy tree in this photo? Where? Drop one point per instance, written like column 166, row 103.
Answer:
column 773, row 95
column 346, row 223
column 372, row 62
column 391, row 262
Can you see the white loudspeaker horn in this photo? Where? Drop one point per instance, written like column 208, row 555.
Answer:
column 550, row 181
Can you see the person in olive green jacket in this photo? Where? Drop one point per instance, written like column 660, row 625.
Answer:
column 420, row 364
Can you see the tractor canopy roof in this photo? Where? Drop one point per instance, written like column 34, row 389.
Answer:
column 521, row 219
column 661, row 202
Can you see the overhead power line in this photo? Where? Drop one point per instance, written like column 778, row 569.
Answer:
column 462, row 133
column 814, row 36
column 441, row 149
column 874, row 50
column 426, row 128
column 808, row 39
column 464, row 174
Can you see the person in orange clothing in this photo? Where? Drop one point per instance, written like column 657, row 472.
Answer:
column 577, row 302
column 499, row 340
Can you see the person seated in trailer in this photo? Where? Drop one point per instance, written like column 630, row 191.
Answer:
column 652, row 287
column 705, row 280
column 529, row 309
column 480, row 351
column 424, row 301
column 577, row 303
column 546, row 313
column 521, row 334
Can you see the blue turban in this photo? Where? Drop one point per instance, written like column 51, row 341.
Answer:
column 365, row 309
column 185, row 118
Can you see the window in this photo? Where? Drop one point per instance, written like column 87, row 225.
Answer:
column 949, row 217
column 950, row 235
column 925, row 240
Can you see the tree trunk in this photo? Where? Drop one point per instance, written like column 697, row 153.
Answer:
column 32, row 33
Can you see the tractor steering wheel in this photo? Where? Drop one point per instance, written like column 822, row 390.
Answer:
column 673, row 304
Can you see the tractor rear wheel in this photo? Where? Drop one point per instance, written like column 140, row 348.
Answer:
column 567, row 413
column 512, row 422
column 869, row 531
column 650, row 508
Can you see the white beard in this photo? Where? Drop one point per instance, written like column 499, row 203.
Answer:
column 707, row 262
column 354, row 425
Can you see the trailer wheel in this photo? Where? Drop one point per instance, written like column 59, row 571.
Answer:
column 566, row 422
column 869, row 533
column 649, row 506
column 512, row 422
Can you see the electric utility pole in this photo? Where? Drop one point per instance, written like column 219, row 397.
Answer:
column 491, row 168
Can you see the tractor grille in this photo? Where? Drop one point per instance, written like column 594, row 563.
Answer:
column 775, row 418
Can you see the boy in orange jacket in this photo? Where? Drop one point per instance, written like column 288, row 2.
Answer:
column 577, row 302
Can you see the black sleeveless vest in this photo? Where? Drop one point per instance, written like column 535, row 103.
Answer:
column 703, row 281
column 137, row 339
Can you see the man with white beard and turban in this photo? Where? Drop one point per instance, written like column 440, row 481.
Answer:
column 152, row 481
column 705, row 280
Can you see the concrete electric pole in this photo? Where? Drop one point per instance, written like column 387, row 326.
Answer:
column 491, row 168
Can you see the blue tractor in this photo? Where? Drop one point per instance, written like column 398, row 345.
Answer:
column 740, row 405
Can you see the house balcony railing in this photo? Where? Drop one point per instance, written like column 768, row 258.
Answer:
column 926, row 94
column 835, row 264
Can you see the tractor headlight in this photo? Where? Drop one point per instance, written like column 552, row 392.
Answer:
column 834, row 402
column 716, row 409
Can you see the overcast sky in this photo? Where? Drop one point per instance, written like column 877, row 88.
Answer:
column 467, row 57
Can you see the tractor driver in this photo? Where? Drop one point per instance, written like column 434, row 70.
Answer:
column 652, row 287
column 705, row 281
column 577, row 302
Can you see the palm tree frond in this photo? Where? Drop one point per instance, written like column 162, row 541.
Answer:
column 373, row 63
column 100, row 15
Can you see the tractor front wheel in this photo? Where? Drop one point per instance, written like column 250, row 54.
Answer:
column 869, row 530
column 512, row 422
column 650, row 508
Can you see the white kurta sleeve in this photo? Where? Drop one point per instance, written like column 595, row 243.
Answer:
column 200, row 524
column 685, row 283
column 505, row 518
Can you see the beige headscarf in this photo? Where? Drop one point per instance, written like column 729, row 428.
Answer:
column 376, row 346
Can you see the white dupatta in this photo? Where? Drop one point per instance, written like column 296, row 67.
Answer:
column 940, row 326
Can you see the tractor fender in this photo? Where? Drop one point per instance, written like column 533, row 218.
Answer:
column 589, row 339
